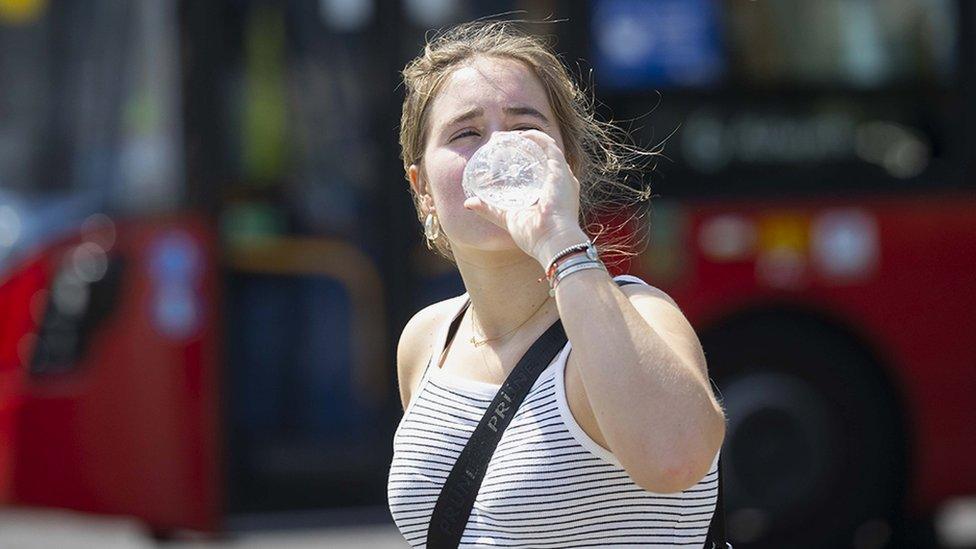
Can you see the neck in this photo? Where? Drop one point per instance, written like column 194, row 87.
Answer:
column 504, row 291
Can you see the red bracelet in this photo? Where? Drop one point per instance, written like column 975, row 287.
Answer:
column 555, row 264
column 563, row 254
column 558, row 261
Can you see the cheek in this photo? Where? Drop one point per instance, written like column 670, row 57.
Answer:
column 446, row 182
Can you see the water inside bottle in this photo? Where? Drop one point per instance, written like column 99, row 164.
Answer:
column 506, row 172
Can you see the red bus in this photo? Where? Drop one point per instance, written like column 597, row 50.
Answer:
column 815, row 218
column 108, row 285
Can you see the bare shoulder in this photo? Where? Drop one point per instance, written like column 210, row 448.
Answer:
column 662, row 313
column 416, row 343
column 647, row 291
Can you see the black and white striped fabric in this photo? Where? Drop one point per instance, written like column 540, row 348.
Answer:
column 547, row 485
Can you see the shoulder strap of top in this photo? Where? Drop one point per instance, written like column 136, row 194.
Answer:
column 455, row 323
column 451, row 330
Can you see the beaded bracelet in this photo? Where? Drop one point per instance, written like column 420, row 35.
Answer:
column 585, row 247
column 566, row 258
column 565, row 263
column 581, row 247
column 563, row 273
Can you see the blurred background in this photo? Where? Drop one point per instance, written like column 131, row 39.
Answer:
column 208, row 251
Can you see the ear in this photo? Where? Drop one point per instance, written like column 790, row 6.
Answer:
column 416, row 181
column 413, row 174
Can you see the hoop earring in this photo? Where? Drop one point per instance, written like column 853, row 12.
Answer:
column 432, row 229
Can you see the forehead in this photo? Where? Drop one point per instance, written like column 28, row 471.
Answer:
column 488, row 83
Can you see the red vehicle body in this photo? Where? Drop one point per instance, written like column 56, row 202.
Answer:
column 912, row 309
column 131, row 424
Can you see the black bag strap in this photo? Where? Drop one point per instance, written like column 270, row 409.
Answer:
column 716, row 529
column 456, row 499
column 454, row 504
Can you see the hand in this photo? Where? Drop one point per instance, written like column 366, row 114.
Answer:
column 553, row 219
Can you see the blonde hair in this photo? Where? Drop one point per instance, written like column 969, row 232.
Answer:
column 599, row 153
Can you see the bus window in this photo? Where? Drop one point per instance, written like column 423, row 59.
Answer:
column 841, row 43
column 41, row 99
column 787, row 97
column 87, row 97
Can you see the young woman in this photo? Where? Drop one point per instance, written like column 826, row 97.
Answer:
column 618, row 440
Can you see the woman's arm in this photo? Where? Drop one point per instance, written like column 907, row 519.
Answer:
column 644, row 375
column 640, row 362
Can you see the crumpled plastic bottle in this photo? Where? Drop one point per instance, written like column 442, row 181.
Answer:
column 506, row 172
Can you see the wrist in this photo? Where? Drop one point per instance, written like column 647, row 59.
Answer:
column 570, row 272
column 547, row 249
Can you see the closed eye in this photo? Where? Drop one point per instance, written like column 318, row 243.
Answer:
column 464, row 133
column 472, row 132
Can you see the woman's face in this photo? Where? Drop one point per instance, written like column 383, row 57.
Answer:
column 478, row 98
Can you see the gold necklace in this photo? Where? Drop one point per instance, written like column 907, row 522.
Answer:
column 483, row 341
column 481, row 353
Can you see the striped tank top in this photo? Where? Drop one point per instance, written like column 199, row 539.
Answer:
column 548, row 483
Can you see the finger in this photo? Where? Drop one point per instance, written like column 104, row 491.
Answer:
column 555, row 161
column 546, row 141
column 485, row 210
column 537, row 135
column 550, row 185
column 473, row 203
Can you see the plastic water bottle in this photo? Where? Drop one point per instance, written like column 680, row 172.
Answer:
column 506, row 172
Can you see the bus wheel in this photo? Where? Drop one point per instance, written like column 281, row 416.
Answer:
column 813, row 454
